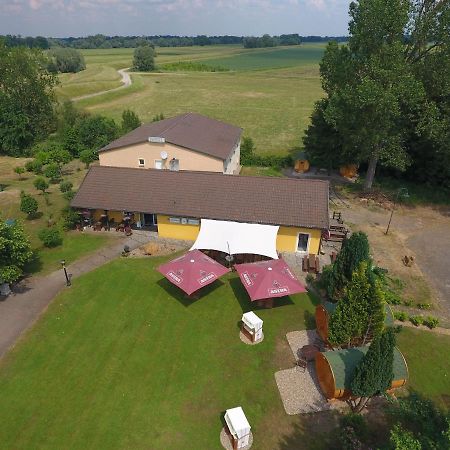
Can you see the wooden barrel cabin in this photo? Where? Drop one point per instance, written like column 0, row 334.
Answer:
column 301, row 164
column 349, row 171
column 325, row 311
column 335, row 371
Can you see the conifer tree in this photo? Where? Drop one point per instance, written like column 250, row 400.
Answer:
column 374, row 373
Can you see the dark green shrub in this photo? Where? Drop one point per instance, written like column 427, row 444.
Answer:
column 28, row 205
column 70, row 218
column 69, row 195
column 53, row 172
column 65, row 186
column 50, row 237
column 41, row 184
column 34, row 166
column 424, row 305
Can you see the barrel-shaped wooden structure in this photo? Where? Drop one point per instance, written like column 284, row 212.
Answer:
column 335, row 370
column 349, row 171
column 326, row 310
column 301, row 164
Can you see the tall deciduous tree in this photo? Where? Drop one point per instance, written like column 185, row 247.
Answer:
column 144, row 58
column 374, row 374
column 15, row 251
column 26, row 98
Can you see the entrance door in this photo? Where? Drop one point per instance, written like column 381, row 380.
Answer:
column 303, row 242
column 150, row 220
column 158, row 164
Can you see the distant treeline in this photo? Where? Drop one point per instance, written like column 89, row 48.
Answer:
column 102, row 41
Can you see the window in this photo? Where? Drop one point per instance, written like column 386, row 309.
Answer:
column 174, row 220
column 158, row 164
column 193, row 221
column 141, row 162
column 303, row 242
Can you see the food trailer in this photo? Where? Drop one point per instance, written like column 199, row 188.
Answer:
column 252, row 326
column 238, row 427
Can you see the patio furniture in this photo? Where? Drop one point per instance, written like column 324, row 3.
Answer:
column 311, row 263
column 98, row 226
column 308, row 352
column 301, row 364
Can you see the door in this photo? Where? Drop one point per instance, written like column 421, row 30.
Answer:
column 149, row 220
column 158, row 164
column 303, row 242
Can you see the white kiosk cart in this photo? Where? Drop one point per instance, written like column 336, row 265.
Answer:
column 252, row 326
column 238, row 427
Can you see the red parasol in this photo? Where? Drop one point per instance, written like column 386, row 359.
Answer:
column 192, row 271
column 268, row 279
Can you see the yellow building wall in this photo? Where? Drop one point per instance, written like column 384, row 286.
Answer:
column 287, row 239
column 176, row 230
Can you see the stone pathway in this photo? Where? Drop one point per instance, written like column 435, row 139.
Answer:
column 299, row 390
column 31, row 297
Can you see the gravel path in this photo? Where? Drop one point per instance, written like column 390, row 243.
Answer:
column 125, row 80
column 299, row 390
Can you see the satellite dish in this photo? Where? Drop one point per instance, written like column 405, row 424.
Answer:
column 164, row 155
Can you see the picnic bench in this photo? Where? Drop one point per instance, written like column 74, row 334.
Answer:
column 311, row 263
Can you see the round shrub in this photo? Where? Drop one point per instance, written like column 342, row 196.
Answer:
column 401, row 315
column 28, row 205
column 50, row 237
column 34, row 166
column 69, row 195
column 41, row 184
column 416, row 320
column 65, row 186
column 53, row 172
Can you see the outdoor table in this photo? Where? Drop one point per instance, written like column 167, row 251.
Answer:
column 309, row 352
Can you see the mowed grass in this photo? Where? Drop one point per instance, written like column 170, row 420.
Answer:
column 124, row 360
column 426, row 354
column 270, row 93
column 74, row 245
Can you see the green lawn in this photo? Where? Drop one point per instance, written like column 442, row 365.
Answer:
column 123, row 360
column 429, row 365
column 74, row 246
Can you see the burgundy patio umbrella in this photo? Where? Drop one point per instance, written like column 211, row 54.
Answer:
column 268, row 279
column 192, row 271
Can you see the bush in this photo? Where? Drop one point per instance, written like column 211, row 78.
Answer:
column 65, row 186
column 34, row 166
column 424, row 305
column 19, row 170
column 53, row 172
column 416, row 320
column 401, row 439
column 41, row 184
column 431, row 322
column 50, row 237
column 66, row 60
column 70, row 218
column 400, row 315
column 69, row 195
column 407, row 302
column 28, row 205
column 88, row 156
column 309, row 278
column 357, row 423
column 144, row 58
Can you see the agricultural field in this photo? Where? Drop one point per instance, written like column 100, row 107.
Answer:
column 270, row 93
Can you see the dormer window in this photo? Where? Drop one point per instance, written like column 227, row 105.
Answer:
column 141, row 162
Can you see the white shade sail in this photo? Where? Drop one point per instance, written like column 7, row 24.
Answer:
column 237, row 237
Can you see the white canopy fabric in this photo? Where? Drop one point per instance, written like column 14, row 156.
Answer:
column 237, row 237
column 237, row 422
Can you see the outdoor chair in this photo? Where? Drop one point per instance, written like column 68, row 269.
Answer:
column 301, row 364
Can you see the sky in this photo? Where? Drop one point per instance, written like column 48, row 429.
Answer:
column 62, row 18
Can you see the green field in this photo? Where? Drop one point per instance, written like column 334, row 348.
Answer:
column 124, row 360
column 268, row 92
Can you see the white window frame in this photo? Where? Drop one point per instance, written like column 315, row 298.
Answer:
column 161, row 161
column 305, row 252
column 141, row 164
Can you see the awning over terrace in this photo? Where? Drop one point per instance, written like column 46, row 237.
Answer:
column 237, row 238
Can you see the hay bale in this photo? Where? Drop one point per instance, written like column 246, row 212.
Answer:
column 151, row 248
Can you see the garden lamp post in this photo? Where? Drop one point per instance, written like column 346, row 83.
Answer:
column 402, row 192
column 63, row 264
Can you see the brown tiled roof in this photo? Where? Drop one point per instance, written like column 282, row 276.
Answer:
column 191, row 130
column 207, row 195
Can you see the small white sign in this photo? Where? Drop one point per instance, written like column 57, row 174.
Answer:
column 156, row 139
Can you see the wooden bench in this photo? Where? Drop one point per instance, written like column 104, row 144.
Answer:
column 311, row 263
